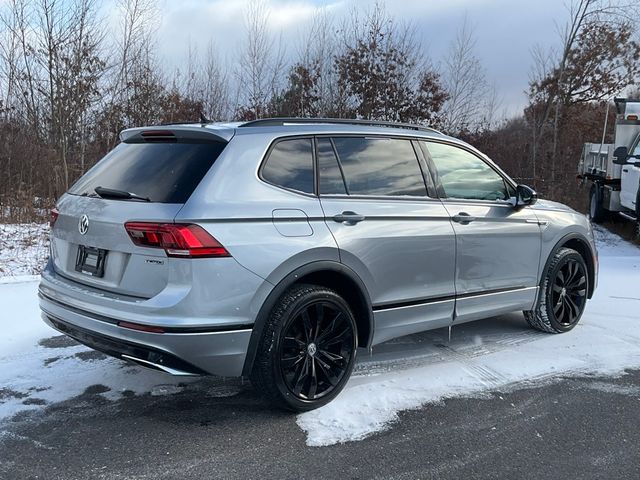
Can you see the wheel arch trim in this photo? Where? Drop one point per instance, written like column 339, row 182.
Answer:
column 315, row 267
column 589, row 259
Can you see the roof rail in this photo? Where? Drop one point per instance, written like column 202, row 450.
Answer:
column 274, row 122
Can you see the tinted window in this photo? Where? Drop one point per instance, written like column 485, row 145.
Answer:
column 163, row 172
column 463, row 175
column 331, row 181
column 290, row 165
column 382, row 166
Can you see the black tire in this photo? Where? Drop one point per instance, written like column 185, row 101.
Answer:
column 307, row 350
column 596, row 212
column 563, row 293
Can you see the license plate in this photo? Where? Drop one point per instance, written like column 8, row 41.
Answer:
column 91, row 260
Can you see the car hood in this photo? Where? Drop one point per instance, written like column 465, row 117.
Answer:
column 553, row 206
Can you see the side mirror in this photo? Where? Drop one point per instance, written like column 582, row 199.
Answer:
column 621, row 154
column 525, row 195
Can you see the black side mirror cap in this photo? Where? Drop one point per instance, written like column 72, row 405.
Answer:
column 620, row 154
column 525, row 195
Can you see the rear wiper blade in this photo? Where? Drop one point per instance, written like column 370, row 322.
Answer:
column 113, row 193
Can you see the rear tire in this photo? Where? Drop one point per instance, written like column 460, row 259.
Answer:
column 597, row 213
column 563, row 293
column 307, row 350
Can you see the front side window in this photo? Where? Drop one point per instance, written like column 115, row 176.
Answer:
column 290, row 165
column 380, row 166
column 466, row 176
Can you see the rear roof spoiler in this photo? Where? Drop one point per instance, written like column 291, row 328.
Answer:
column 177, row 133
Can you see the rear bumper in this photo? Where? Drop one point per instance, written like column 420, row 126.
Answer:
column 219, row 352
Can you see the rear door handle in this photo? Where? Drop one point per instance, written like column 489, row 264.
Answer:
column 348, row 217
column 463, row 218
column 625, row 170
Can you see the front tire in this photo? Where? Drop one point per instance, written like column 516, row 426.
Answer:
column 307, row 350
column 563, row 293
column 597, row 213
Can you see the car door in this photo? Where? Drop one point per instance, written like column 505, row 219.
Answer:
column 498, row 246
column 390, row 229
column 630, row 179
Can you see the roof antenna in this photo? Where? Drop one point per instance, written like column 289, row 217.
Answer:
column 203, row 120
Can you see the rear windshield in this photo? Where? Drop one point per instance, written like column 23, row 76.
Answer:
column 162, row 172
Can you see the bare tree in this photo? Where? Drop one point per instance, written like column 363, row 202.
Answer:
column 216, row 92
column 206, row 82
column 68, row 41
column 472, row 101
column 260, row 64
column 316, row 57
column 138, row 21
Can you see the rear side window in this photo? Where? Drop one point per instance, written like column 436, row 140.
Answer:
column 162, row 172
column 380, row 166
column 290, row 165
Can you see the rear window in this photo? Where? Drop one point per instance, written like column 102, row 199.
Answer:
column 163, row 172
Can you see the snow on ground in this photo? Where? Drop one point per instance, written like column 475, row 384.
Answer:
column 39, row 367
column 490, row 355
column 24, row 248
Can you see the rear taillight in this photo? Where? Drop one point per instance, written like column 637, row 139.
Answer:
column 178, row 240
column 53, row 216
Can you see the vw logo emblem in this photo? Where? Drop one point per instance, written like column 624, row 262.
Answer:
column 83, row 225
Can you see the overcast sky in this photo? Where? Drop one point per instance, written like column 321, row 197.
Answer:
column 505, row 30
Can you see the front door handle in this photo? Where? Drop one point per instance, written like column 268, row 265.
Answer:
column 463, row 218
column 625, row 170
column 348, row 217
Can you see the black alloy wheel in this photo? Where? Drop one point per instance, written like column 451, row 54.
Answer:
column 316, row 349
column 569, row 292
column 307, row 349
column 564, row 290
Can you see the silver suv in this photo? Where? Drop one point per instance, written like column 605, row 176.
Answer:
column 273, row 249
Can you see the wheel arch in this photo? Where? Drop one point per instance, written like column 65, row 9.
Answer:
column 329, row 274
column 581, row 245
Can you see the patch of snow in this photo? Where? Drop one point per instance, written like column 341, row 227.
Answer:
column 39, row 367
column 24, row 248
column 496, row 354
column 610, row 244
